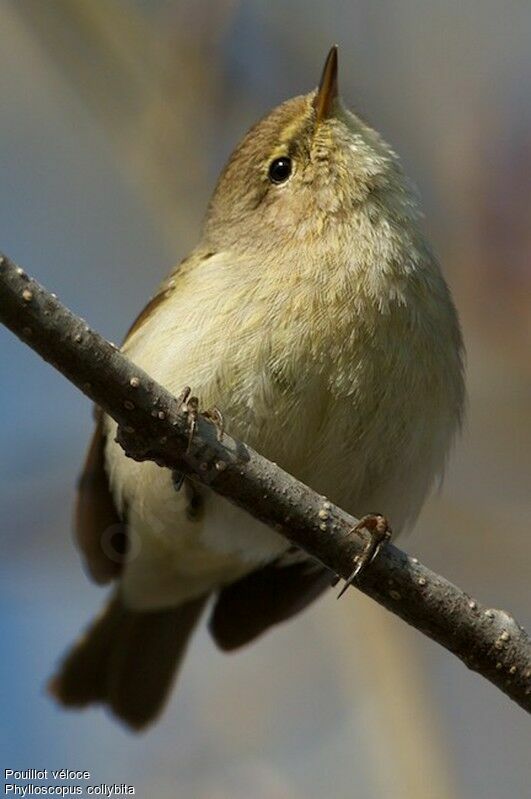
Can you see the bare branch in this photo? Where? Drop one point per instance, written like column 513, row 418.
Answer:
column 152, row 426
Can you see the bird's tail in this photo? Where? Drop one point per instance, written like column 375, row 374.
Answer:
column 127, row 660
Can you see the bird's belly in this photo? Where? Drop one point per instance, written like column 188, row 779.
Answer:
column 324, row 417
column 175, row 555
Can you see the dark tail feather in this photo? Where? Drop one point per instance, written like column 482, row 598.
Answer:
column 127, row 660
column 270, row 595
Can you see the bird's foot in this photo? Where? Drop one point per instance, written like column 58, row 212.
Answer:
column 190, row 406
column 379, row 533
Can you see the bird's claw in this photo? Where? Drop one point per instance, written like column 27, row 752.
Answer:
column 379, row 533
column 190, row 406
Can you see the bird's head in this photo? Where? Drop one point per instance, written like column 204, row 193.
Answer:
column 306, row 170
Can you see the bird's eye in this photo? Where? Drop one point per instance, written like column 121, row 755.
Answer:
column 280, row 169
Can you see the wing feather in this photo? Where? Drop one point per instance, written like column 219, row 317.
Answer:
column 99, row 530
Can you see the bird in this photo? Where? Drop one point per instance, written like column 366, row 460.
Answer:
column 314, row 313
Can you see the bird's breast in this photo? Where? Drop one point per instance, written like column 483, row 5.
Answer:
column 310, row 371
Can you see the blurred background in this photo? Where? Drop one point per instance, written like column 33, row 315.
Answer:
column 116, row 117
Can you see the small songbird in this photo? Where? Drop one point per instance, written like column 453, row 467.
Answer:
column 314, row 314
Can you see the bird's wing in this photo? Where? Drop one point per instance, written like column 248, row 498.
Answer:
column 267, row 596
column 100, row 532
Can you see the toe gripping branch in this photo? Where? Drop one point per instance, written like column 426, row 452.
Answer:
column 379, row 533
column 189, row 405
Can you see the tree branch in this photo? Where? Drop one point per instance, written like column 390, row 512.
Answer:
column 152, row 426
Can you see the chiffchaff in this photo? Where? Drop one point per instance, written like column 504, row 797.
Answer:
column 312, row 312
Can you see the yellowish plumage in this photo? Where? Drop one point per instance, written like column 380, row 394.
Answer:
column 315, row 316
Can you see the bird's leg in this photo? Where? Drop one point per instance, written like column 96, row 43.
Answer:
column 195, row 504
column 379, row 533
column 177, row 479
column 190, row 406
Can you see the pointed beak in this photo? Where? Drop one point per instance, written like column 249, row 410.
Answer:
column 327, row 92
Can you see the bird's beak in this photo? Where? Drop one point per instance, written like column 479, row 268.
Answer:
column 327, row 92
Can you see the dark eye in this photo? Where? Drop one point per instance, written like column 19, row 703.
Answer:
column 280, row 169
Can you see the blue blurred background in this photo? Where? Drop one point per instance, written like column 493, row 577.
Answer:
column 116, row 117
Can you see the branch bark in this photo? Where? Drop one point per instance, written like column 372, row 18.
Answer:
column 152, row 426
